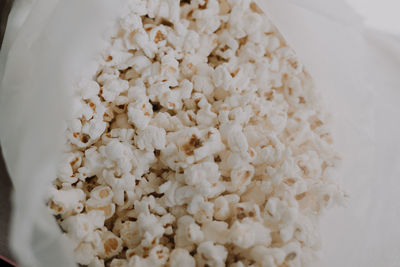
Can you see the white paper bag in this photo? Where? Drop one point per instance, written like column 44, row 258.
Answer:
column 358, row 73
column 49, row 44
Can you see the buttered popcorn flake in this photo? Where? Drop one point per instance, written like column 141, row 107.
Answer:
column 200, row 141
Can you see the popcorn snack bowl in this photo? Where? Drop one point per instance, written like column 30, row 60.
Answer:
column 192, row 133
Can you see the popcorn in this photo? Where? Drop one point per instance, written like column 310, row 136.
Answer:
column 117, row 154
column 191, row 42
column 221, row 208
column 129, row 233
column 241, row 177
column 210, row 254
column 142, row 40
column 66, row 201
column 96, row 262
column 94, row 128
column 199, row 141
column 201, row 209
column 188, row 233
column 205, row 18
column 88, row 89
column 181, row 257
column 112, row 88
column 119, row 263
column 222, row 78
column 211, row 146
column 69, row 164
column 100, row 195
column 204, row 177
column 84, row 253
column 131, row 22
column 139, row 116
column 249, row 233
column 112, row 245
column 151, row 138
column 150, row 227
column 81, row 226
column 216, row 231
column 237, row 264
column 121, row 122
column 100, row 199
column 158, row 256
column 268, row 256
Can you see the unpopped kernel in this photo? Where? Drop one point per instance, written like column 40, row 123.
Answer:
column 200, row 141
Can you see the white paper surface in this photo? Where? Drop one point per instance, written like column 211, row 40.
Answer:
column 49, row 43
column 358, row 73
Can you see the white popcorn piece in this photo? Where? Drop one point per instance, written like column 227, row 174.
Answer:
column 112, row 88
column 112, row 245
column 121, row 122
column 181, row 257
column 131, row 22
column 187, row 233
column 249, row 233
column 130, row 235
column 117, row 154
column 241, row 178
column 149, row 205
column 120, row 184
column 203, row 84
column 238, row 264
column 101, row 200
column 151, row 138
column 205, row 178
column 84, row 253
column 142, row 40
column 81, row 109
column 150, row 227
column 222, row 78
column 158, row 256
column 92, row 164
column 139, row 117
column 96, row 262
column 205, row 19
column 119, row 263
column 270, row 257
column 216, row 231
column 223, row 206
column 205, row 117
column 213, row 255
column 68, row 166
column 88, row 89
column 94, row 128
column 80, row 226
column 221, row 209
column 66, row 200
column 211, row 146
column 201, row 209
column 100, row 195
column 159, row 35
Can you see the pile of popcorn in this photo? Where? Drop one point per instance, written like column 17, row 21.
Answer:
column 200, row 141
